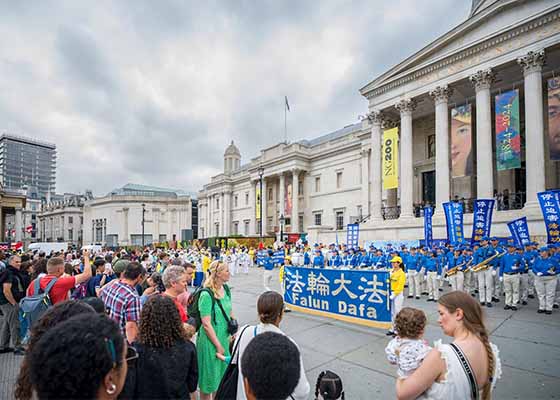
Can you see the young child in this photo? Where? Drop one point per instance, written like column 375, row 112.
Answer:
column 408, row 349
column 329, row 386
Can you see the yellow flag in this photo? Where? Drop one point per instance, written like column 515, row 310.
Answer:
column 390, row 159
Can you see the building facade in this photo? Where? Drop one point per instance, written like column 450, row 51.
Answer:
column 117, row 218
column 62, row 220
column 27, row 162
column 319, row 186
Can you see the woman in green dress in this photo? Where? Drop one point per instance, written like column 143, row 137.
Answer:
column 213, row 337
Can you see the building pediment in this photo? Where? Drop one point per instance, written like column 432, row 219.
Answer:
column 489, row 20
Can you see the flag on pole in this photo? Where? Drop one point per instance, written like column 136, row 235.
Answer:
column 287, row 104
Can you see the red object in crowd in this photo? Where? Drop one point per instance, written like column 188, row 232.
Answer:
column 261, row 245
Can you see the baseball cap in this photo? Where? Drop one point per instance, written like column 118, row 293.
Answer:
column 396, row 259
column 120, row 266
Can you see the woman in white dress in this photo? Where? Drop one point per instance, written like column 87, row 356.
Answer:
column 444, row 373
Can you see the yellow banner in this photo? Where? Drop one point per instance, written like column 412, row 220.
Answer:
column 258, row 203
column 390, row 159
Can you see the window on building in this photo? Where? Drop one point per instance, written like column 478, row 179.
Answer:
column 162, row 238
column 236, row 228
column 246, row 228
column 258, row 227
column 270, row 194
column 81, row 220
column 339, row 179
column 247, row 198
column 317, row 184
column 70, row 234
column 318, row 219
column 431, row 146
column 217, row 229
column 235, row 201
column 300, row 188
column 70, row 220
column 339, row 220
column 268, row 226
column 300, row 223
column 217, row 203
column 359, row 208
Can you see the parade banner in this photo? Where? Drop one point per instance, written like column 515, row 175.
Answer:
column 554, row 118
column 482, row 219
column 428, row 236
column 508, row 139
column 258, row 204
column 357, row 296
column 454, row 217
column 550, row 208
column 288, row 199
column 352, row 235
column 519, row 231
column 382, row 244
column 461, row 141
column 261, row 254
column 278, row 257
column 390, row 157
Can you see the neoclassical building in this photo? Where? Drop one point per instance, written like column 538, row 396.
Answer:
column 462, row 78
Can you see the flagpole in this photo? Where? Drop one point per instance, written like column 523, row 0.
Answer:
column 285, row 123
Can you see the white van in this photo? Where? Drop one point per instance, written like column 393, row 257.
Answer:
column 48, row 247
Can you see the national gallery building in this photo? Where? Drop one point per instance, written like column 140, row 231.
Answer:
column 474, row 114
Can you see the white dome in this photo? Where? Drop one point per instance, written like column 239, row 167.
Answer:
column 232, row 150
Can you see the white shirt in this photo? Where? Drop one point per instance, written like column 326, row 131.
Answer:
column 407, row 354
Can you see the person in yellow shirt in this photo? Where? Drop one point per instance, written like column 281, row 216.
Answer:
column 206, row 260
column 398, row 280
column 251, row 257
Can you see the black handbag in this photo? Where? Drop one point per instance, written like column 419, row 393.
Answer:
column 228, row 385
column 232, row 324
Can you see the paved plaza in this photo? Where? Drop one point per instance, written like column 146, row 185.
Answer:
column 529, row 346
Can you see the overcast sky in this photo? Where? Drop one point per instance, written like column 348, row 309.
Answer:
column 152, row 92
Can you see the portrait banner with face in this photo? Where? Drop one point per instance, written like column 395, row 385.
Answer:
column 461, row 141
column 287, row 198
column 554, row 118
column 508, row 139
column 390, row 157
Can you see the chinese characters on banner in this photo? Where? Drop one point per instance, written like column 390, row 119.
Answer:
column 390, row 159
column 428, row 236
column 554, row 118
column 454, row 217
column 508, row 139
column 278, row 257
column 519, row 231
column 352, row 235
column 482, row 219
column 551, row 213
column 361, row 297
column 461, row 141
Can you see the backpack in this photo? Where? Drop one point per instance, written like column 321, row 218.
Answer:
column 31, row 308
column 192, row 307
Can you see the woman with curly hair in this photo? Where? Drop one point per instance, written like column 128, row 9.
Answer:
column 52, row 317
column 84, row 357
column 166, row 367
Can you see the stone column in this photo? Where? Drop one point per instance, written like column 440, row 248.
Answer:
column 532, row 65
column 253, row 203
column 18, row 224
column 227, row 212
column 282, row 195
column 295, row 201
column 440, row 95
column 365, row 183
column 222, row 215
column 125, row 225
column 209, row 232
column 376, row 181
column 406, row 107
column 482, row 80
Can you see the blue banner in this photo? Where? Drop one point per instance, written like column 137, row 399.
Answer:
column 428, row 236
column 352, row 235
column 551, row 213
column 278, row 257
column 396, row 244
column 482, row 219
column 519, row 231
column 454, row 217
column 357, row 296
column 261, row 254
column 435, row 243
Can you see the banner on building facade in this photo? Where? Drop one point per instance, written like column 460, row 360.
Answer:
column 288, row 200
column 461, row 141
column 258, row 203
column 550, row 207
column 508, row 138
column 554, row 118
column 361, row 297
column 519, row 231
column 390, row 159
column 454, row 218
column 482, row 219
column 352, row 235
column 428, row 236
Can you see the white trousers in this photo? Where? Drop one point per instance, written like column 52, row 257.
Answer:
column 524, row 286
column 457, row 281
column 546, row 290
column 485, row 285
column 531, row 285
column 396, row 306
column 415, row 283
column 511, row 287
column 232, row 269
column 433, row 285
column 468, row 281
column 267, row 278
column 245, row 267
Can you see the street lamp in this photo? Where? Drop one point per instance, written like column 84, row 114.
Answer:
column 282, row 220
column 143, row 221
column 261, row 173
